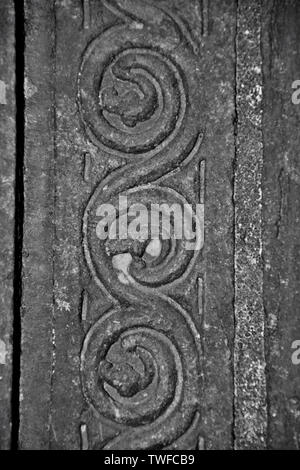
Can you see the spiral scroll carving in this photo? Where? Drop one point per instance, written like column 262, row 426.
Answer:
column 140, row 361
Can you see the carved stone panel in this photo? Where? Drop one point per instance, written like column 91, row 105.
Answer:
column 138, row 339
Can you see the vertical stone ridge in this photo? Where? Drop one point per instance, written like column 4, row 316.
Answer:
column 38, row 229
column 54, row 200
column 86, row 14
column 8, row 232
column 250, row 421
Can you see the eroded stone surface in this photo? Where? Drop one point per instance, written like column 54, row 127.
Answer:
column 38, row 239
column 281, row 209
column 7, row 210
column 249, row 351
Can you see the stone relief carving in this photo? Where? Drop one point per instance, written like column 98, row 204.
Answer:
column 140, row 361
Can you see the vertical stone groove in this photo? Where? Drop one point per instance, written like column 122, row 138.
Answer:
column 19, row 219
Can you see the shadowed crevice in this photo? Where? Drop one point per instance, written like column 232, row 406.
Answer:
column 19, row 218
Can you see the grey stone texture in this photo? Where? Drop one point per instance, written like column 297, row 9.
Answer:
column 281, row 223
column 7, row 211
column 249, row 349
column 161, row 102
column 38, row 237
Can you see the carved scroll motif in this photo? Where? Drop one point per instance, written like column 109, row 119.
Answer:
column 140, row 361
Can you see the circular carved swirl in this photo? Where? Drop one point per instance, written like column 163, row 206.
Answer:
column 144, row 264
column 133, row 103
column 139, row 369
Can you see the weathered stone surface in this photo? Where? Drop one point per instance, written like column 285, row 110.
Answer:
column 218, row 59
column 7, row 210
column 281, row 209
column 38, row 238
column 249, row 354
